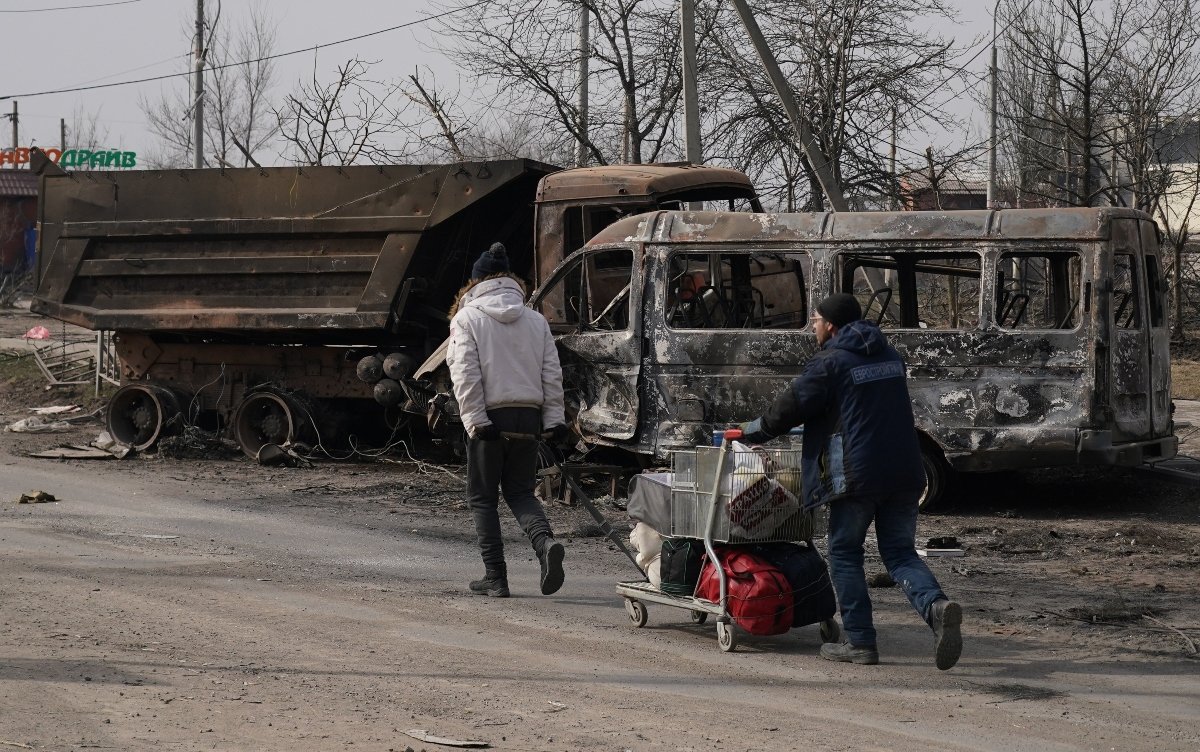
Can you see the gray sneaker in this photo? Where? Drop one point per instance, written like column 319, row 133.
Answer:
column 946, row 616
column 865, row 655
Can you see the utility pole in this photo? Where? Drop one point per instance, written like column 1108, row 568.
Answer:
column 691, row 105
column 585, row 53
column 812, row 152
column 895, row 187
column 991, row 184
column 15, row 119
column 62, row 134
column 198, row 99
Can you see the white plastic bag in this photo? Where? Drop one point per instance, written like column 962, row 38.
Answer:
column 648, row 544
column 758, row 503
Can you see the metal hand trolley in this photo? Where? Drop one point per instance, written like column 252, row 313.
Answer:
column 700, row 495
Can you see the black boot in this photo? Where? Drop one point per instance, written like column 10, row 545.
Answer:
column 494, row 583
column 551, row 557
column 946, row 616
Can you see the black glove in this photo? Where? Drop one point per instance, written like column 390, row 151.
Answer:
column 487, row 432
column 562, row 434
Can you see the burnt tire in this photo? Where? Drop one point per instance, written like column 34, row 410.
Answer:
column 274, row 417
column 141, row 413
column 938, row 477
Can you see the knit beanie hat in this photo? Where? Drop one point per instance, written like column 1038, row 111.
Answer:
column 840, row 309
column 492, row 261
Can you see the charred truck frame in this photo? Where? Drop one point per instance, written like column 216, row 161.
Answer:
column 1032, row 337
column 280, row 301
column 283, row 303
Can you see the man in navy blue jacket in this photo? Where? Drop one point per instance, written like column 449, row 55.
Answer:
column 862, row 457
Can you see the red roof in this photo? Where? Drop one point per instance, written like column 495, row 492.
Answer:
column 17, row 183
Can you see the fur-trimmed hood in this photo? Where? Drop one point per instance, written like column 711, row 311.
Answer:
column 461, row 296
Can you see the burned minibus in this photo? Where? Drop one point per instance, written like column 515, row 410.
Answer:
column 1032, row 337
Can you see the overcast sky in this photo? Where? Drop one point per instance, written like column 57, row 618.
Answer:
column 118, row 41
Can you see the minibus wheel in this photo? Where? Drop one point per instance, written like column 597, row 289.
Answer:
column 938, row 476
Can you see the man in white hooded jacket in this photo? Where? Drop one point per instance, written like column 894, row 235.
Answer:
column 507, row 379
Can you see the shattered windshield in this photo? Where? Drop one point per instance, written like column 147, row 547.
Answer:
column 747, row 290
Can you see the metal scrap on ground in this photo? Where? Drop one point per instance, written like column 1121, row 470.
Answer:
column 36, row 497
column 424, row 736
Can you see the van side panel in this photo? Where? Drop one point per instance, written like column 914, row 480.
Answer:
column 1160, row 334
column 1063, row 361
column 1126, row 321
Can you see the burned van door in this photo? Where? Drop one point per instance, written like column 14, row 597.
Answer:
column 727, row 329
column 592, row 303
column 1127, row 321
column 1160, row 335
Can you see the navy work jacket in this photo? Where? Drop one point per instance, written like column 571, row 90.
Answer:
column 859, row 437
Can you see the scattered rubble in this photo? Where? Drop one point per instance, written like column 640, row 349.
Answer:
column 75, row 452
column 422, row 735
column 38, row 424
column 36, row 497
column 194, row 443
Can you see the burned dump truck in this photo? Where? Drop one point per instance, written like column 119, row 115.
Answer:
column 1032, row 337
column 286, row 304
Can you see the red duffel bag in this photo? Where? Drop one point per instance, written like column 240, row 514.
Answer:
column 760, row 598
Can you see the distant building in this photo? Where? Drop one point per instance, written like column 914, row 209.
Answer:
column 1178, row 149
column 18, row 219
column 918, row 193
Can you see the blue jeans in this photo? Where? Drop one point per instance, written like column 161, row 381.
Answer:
column 895, row 519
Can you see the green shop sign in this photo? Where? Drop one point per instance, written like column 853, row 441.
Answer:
column 92, row 159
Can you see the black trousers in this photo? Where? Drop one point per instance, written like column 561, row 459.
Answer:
column 508, row 465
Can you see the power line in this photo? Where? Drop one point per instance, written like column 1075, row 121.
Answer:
column 70, row 7
column 962, row 68
column 313, row 48
column 140, row 67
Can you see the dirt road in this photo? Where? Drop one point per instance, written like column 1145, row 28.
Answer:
column 188, row 605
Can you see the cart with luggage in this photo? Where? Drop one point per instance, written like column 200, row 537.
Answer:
column 743, row 505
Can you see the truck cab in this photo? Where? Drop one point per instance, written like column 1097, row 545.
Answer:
column 575, row 205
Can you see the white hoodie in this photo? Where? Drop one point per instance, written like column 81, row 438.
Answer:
column 501, row 354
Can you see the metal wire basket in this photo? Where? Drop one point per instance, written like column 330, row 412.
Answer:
column 758, row 491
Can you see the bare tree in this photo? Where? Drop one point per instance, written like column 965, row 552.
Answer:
column 440, row 128
column 86, row 130
column 1101, row 105
column 1157, row 95
column 526, row 52
column 451, row 126
column 350, row 119
column 1174, row 213
column 1060, row 59
column 246, row 125
column 852, row 63
column 239, row 123
column 505, row 135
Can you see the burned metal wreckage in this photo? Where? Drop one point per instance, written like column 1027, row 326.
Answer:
column 284, row 303
column 1033, row 337
column 269, row 298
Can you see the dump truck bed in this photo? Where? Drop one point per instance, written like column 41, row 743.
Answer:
column 321, row 254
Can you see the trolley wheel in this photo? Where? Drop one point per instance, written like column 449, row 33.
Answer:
column 726, row 639
column 699, row 617
column 637, row 612
column 830, row 631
